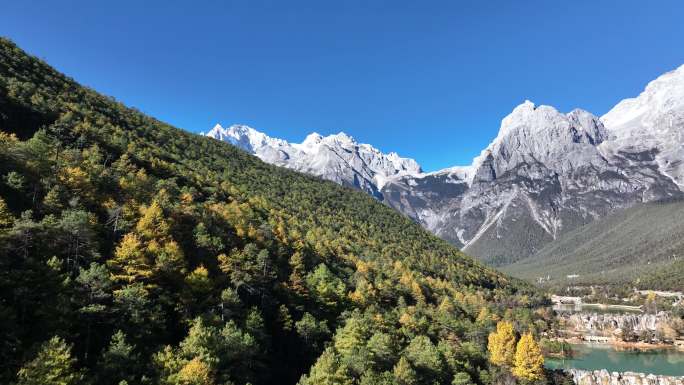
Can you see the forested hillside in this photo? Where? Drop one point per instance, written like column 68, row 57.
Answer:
column 642, row 246
column 132, row 252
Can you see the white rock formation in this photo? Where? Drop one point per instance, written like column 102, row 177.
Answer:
column 604, row 377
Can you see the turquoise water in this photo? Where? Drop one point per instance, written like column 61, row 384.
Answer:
column 668, row 362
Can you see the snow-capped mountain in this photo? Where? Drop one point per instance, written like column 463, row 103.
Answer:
column 653, row 121
column 338, row 157
column 545, row 173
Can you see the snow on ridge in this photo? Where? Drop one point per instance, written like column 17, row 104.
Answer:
column 653, row 120
column 536, row 127
column 338, row 157
column 662, row 95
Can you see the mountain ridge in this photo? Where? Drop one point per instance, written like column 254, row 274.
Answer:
column 336, row 157
column 549, row 171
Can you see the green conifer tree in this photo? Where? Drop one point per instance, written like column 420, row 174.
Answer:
column 53, row 365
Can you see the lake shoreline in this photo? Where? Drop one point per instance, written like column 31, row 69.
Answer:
column 656, row 359
column 644, row 346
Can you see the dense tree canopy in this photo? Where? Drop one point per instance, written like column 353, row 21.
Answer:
column 134, row 252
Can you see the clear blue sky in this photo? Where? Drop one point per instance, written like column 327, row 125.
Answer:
column 428, row 79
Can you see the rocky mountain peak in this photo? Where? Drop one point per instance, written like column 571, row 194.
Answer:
column 338, row 157
column 341, row 139
column 312, row 139
column 652, row 123
column 542, row 135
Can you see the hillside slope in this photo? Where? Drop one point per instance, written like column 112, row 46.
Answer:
column 134, row 251
column 639, row 243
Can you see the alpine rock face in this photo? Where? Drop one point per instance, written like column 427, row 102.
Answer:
column 338, row 157
column 545, row 173
column 653, row 122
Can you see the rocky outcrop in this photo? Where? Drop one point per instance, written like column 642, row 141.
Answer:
column 596, row 323
column 604, row 377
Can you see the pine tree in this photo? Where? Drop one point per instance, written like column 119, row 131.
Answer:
column 312, row 331
column 199, row 282
column 203, row 238
column 52, row 202
column 168, row 257
column 328, row 370
column 353, row 335
column 326, row 287
column 424, row 354
column 285, row 319
column 298, row 268
column 95, row 286
column 462, row 378
column 404, row 374
column 501, row 344
column 529, row 362
column 254, row 325
column 53, row 365
column 200, row 342
column 118, row 362
column 382, row 348
column 6, row 217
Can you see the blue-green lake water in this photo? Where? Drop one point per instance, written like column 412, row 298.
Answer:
column 669, row 362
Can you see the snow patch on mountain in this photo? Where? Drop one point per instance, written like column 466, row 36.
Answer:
column 337, row 157
column 652, row 121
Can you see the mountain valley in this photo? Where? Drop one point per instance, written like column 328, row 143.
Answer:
column 545, row 174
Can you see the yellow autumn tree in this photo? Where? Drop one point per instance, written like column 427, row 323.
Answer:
column 152, row 223
column 130, row 261
column 501, row 344
column 195, row 372
column 6, row 217
column 484, row 315
column 75, row 178
column 529, row 361
column 404, row 374
column 149, row 249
